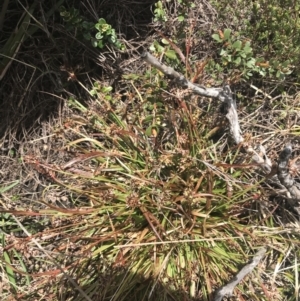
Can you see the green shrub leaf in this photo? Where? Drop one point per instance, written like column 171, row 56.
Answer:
column 216, row 37
column 237, row 45
column 171, row 54
column 227, row 33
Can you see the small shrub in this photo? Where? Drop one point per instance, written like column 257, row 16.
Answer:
column 236, row 53
column 100, row 34
column 275, row 26
column 271, row 27
column 159, row 12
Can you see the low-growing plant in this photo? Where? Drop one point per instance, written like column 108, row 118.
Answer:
column 274, row 26
column 99, row 34
column 271, row 28
column 99, row 90
column 151, row 187
column 159, row 12
column 236, row 55
column 178, row 49
column 164, row 48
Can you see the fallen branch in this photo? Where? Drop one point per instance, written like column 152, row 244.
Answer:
column 227, row 290
column 180, row 79
column 259, row 156
column 287, row 179
column 224, row 95
column 284, row 175
column 231, row 115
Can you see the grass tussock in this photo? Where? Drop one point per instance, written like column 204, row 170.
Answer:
column 152, row 204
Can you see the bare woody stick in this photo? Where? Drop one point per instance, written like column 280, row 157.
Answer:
column 283, row 172
column 223, row 94
column 180, row 79
column 227, row 290
column 286, row 179
column 232, row 115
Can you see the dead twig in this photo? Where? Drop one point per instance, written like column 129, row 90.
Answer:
column 287, row 179
column 224, row 95
column 227, row 289
column 258, row 154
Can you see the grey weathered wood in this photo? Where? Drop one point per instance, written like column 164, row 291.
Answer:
column 227, row 290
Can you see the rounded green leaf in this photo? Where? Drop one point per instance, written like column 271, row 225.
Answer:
column 223, row 52
column 152, row 48
column 227, row 33
column 94, row 42
column 251, row 63
column 164, row 41
column 85, row 25
column 216, row 37
column 87, row 35
column 247, row 48
column 112, row 39
column 149, row 131
column 237, row 45
column 105, row 27
column 93, row 92
column 96, row 85
column 238, row 60
column 99, row 36
column 100, row 44
column 171, row 54
column 101, row 21
column 106, row 89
